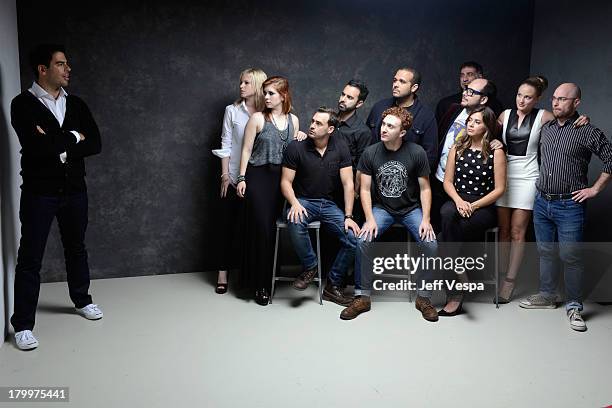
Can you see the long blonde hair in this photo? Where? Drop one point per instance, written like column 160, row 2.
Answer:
column 464, row 141
column 259, row 77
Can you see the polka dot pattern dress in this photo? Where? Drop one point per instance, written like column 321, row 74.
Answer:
column 472, row 175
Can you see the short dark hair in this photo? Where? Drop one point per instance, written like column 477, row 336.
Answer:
column 472, row 64
column 416, row 75
column 363, row 89
column 332, row 116
column 42, row 55
column 489, row 89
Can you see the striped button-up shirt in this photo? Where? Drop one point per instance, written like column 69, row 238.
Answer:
column 565, row 153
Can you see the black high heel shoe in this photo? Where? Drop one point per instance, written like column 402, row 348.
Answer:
column 458, row 311
column 221, row 288
column 262, row 297
column 505, row 296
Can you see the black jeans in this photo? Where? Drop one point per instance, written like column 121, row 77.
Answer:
column 36, row 214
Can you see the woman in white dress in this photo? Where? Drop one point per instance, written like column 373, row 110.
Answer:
column 234, row 122
column 521, row 134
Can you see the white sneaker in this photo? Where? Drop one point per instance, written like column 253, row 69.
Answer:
column 575, row 320
column 25, row 340
column 91, row 312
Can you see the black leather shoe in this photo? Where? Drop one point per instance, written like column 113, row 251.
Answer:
column 335, row 294
column 221, row 288
column 262, row 297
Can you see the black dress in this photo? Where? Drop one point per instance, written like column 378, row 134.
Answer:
column 263, row 204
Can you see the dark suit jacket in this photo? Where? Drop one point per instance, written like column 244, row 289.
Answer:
column 41, row 168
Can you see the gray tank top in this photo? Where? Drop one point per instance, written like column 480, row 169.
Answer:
column 270, row 144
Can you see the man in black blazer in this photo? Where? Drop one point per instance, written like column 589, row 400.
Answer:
column 56, row 132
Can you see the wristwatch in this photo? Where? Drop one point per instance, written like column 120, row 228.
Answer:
column 348, row 216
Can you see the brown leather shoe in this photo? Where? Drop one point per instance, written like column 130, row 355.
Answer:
column 426, row 308
column 359, row 305
column 335, row 294
column 302, row 281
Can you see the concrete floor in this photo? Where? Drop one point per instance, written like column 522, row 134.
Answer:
column 171, row 341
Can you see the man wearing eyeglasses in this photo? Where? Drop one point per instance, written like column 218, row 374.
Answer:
column 450, row 127
column 468, row 71
column 559, row 208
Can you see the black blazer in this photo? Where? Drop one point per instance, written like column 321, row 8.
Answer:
column 41, row 168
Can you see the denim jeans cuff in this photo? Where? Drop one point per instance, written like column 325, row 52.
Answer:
column 424, row 293
column 573, row 305
column 332, row 280
column 307, row 268
column 548, row 295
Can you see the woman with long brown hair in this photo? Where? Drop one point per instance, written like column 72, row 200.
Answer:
column 475, row 178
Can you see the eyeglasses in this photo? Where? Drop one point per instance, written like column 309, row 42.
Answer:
column 561, row 99
column 471, row 92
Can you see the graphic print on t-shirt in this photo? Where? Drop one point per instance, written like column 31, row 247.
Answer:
column 391, row 179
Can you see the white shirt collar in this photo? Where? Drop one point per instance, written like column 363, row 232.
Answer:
column 39, row 92
column 244, row 107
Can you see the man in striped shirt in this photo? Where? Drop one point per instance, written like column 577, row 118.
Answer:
column 559, row 209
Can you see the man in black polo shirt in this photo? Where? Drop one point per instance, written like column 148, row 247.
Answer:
column 312, row 170
column 56, row 132
column 560, row 205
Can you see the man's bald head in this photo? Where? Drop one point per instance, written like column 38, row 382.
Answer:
column 565, row 100
column 571, row 88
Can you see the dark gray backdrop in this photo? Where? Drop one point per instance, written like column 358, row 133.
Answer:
column 157, row 76
column 580, row 50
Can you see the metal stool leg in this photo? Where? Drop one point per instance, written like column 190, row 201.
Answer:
column 495, row 232
column 319, row 268
column 496, row 237
column 274, row 264
column 409, row 275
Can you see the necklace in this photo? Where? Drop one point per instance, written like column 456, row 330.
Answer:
column 278, row 131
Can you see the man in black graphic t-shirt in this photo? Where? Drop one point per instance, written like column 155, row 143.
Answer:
column 394, row 188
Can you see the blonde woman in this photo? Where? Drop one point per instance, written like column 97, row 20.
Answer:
column 234, row 122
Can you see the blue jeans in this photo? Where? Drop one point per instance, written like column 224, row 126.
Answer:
column 332, row 219
column 559, row 226
column 384, row 220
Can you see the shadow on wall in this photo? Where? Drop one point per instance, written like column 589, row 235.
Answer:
column 6, row 211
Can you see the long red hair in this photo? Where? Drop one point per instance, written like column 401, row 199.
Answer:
column 282, row 87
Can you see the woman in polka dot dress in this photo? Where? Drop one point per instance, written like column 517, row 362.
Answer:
column 475, row 178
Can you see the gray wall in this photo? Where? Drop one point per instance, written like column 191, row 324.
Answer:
column 572, row 44
column 157, row 76
column 9, row 153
